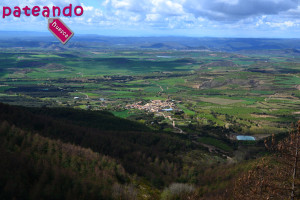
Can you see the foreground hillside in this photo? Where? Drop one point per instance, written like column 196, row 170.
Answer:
column 70, row 154
column 64, row 153
column 35, row 167
column 137, row 150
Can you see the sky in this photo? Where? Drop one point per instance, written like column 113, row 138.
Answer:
column 195, row 18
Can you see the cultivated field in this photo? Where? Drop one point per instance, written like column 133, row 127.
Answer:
column 245, row 93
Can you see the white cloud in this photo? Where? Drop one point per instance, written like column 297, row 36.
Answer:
column 167, row 7
column 87, row 8
column 152, row 17
column 281, row 25
column 261, row 21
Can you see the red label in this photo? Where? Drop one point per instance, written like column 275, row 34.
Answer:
column 60, row 30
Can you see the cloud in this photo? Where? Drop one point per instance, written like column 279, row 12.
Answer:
column 216, row 10
column 146, row 7
column 202, row 13
column 225, row 10
column 153, row 17
column 205, row 16
column 281, row 25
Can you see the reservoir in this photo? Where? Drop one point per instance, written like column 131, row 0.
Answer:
column 245, row 137
column 169, row 109
column 165, row 56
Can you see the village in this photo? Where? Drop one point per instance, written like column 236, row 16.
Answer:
column 153, row 106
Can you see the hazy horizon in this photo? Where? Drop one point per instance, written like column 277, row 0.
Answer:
column 13, row 33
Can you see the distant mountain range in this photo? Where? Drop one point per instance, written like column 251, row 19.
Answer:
column 46, row 40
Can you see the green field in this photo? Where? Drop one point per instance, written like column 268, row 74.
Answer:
column 241, row 93
column 216, row 143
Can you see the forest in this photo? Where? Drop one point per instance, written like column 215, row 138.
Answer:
column 84, row 158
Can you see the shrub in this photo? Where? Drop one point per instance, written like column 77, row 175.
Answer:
column 178, row 191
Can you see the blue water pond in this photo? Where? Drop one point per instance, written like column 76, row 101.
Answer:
column 245, row 137
column 169, row 109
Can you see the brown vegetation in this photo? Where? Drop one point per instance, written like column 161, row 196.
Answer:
column 276, row 176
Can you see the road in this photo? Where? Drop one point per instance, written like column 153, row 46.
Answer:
column 86, row 96
column 173, row 123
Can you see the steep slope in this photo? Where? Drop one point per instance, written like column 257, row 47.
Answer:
column 35, row 167
column 155, row 156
